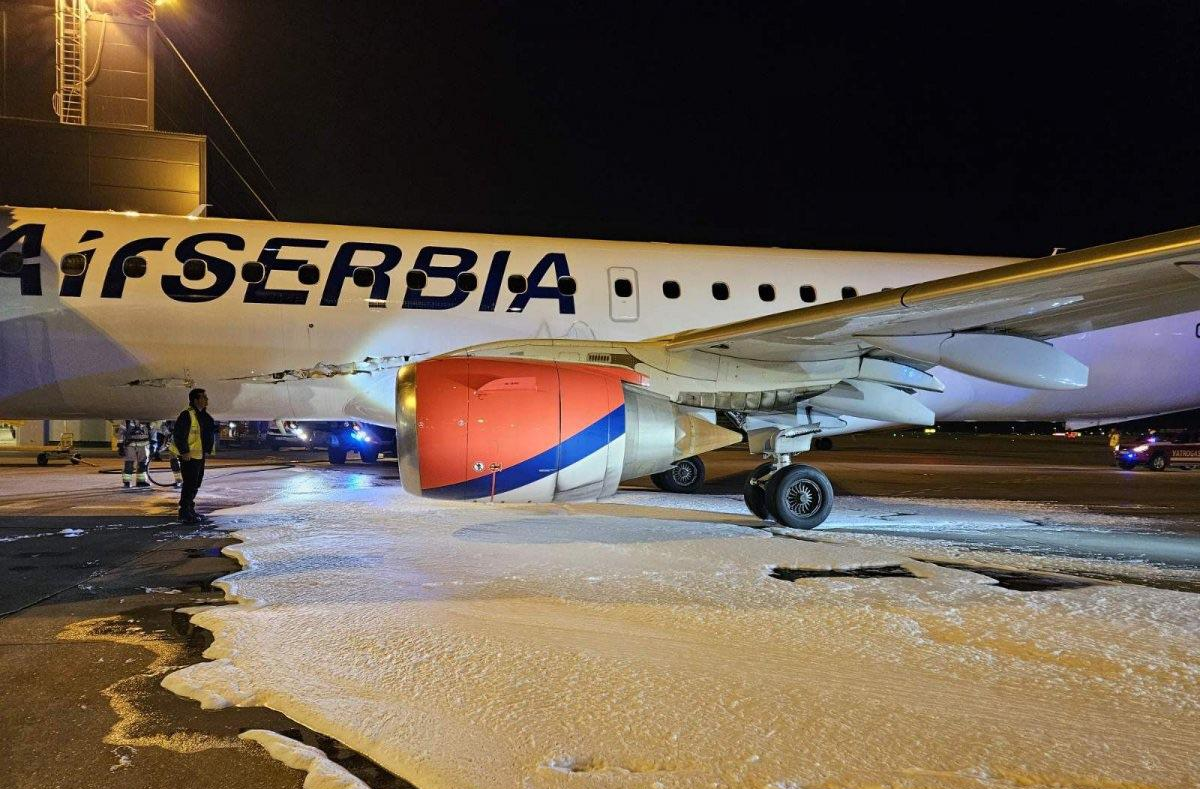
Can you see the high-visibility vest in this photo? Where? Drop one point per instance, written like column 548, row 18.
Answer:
column 195, row 440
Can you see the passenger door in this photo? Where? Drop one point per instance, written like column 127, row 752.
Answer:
column 622, row 294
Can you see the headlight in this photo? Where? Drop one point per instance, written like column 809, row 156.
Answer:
column 1141, row 447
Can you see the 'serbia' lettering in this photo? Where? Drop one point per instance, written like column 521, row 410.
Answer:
column 344, row 265
column 259, row 293
column 415, row 299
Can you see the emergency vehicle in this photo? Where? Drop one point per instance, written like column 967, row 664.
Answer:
column 1158, row 450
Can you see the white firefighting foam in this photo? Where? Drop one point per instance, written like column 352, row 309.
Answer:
column 609, row 645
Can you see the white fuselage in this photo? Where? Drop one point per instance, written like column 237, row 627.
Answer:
column 110, row 346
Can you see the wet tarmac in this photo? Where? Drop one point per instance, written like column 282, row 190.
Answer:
column 95, row 576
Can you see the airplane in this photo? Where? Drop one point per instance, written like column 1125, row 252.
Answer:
column 545, row 369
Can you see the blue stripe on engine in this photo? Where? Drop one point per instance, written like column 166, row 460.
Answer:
column 596, row 435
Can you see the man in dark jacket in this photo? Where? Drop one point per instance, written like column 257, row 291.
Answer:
column 194, row 439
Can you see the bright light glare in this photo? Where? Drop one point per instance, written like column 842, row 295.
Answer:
column 1141, row 447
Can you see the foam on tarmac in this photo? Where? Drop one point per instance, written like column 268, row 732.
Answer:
column 615, row 645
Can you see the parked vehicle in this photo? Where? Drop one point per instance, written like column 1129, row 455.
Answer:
column 367, row 441
column 1157, row 450
column 279, row 436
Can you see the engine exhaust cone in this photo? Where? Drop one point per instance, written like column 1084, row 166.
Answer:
column 694, row 436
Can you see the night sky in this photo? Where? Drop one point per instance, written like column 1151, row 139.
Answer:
column 971, row 128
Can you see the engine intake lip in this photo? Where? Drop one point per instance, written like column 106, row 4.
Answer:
column 406, row 428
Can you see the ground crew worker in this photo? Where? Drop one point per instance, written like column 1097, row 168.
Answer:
column 194, row 438
column 134, row 439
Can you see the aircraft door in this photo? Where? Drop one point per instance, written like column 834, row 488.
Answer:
column 623, row 294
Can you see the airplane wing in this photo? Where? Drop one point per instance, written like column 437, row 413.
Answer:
column 986, row 321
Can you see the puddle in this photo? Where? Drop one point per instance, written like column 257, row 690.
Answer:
column 1021, row 580
column 1017, row 580
column 198, row 553
column 796, row 574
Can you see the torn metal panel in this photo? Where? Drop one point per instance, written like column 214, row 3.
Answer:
column 369, row 365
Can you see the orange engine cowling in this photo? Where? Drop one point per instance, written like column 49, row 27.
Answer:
column 534, row 431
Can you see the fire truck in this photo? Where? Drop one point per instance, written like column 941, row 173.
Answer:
column 1157, row 450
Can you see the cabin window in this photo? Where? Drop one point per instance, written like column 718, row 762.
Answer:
column 467, row 282
column 134, row 267
column 566, row 286
column 766, row 292
column 720, row 291
column 808, row 294
column 517, row 283
column 671, row 289
column 623, row 288
column 309, row 274
column 195, row 268
column 254, row 271
column 73, row 265
column 416, row 279
column 849, row 292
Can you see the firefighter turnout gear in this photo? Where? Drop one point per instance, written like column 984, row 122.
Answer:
column 134, row 438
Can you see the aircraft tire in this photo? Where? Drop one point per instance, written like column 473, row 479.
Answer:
column 369, row 456
column 686, row 476
column 799, row 497
column 1157, row 463
column 754, row 494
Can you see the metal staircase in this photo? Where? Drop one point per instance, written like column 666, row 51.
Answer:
column 70, row 33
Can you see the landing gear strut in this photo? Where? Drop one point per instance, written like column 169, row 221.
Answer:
column 796, row 496
column 686, row 476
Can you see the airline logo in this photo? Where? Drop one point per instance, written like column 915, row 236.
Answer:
column 218, row 250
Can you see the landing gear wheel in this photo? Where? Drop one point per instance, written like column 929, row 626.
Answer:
column 754, row 494
column 369, row 456
column 43, row 459
column 337, row 456
column 1157, row 463
column 799, row 497
column 686, row 476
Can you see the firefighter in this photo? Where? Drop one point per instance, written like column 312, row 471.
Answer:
column 134, row 439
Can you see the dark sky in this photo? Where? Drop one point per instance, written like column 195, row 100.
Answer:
column 972, row 128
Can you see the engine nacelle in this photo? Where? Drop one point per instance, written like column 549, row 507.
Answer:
column 534, row 431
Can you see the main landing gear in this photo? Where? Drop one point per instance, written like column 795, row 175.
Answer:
column 796, row 496
column 686, row 476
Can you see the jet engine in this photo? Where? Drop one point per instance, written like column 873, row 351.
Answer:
column 535, row 431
